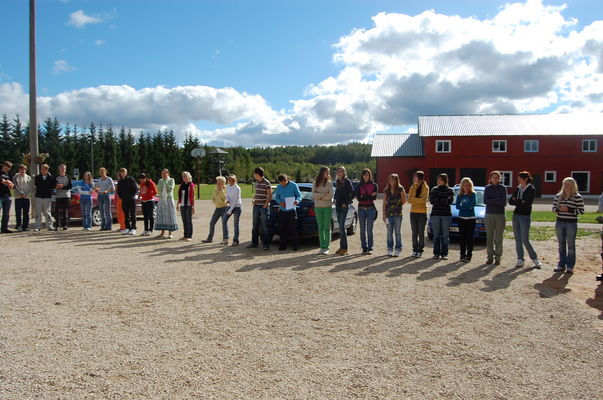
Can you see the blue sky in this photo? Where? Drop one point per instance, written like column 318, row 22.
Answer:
column 292, row 65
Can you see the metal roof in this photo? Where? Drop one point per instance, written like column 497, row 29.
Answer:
column 511, row 125
column 397, row 145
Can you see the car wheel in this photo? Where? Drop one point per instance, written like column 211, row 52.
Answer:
column 96, row 217
column 352, row 228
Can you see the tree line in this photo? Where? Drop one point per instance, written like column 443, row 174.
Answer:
column 95, row 146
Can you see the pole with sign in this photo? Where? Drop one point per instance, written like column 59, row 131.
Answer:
column 198, row 153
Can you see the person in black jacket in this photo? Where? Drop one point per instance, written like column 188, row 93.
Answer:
column 441, row 197
column 45, row 184
column 6, row 185
column 522, row 199
column 366, row 193
column 127, row 190
column 344, row 194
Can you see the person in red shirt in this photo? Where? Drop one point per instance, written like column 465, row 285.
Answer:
column 148, row 190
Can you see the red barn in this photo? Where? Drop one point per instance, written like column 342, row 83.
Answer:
column 550, row 146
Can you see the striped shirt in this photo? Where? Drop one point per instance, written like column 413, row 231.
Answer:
column 574, row 204
column 261, row 192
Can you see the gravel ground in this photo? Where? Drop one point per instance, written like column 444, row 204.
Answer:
column 98, row 315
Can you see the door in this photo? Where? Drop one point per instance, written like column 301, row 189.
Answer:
column 477, row 175
column 537, row 185
column 583, row 180
column 434, row 172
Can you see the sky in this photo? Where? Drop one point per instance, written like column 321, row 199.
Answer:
column 280, row 72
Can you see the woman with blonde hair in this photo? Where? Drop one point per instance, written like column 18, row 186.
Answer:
column 322, row 193
column 393, row 200
column 85, row 190
column 186, row 205
column 219, row 200
column 466, row 200
column 568, row 204
column 166, row 213
column 417, row 197
column 233, row 198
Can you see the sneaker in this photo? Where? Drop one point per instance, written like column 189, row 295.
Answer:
column 364, row 252
column 249, row 246
column 559, row 269
column 436, row 257
column 569, row 271
column 88, row 229
column 188, row 239
column 225, row 242
column 169, row 236
column 326, row 252
column 520, row 263
column 65, row 228
column 125, row 231
column 390, row 253
column 444, row 257
column 468, row 259
column 206, row 241
column 599, row 278
column 397, row 253
column 19, row 229
column 419, row 254
column 36, row 230
column 132, row 232
column 321, row 252
column 235, row 243
column 537, row 263
column 266, row 247
column 490, row 261
column 369, row 252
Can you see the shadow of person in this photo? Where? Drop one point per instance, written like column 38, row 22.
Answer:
column 411, row 268
column 503, row 279
column 471, row 275
column 440, row 270
column 380, row 268
column 554, row 285
column 597, row 301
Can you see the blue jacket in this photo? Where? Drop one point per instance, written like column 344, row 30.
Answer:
column 465, row 203
column 282, row 192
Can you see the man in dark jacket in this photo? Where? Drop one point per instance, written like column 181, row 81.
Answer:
column 6, row 184
column 127, row 190
column 495, row 198
column 45, row 184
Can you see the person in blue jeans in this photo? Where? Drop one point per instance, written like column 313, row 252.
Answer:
column 344, row 194
column 522, row 199
column 6, row 184
column 394, row 197
column 568, row 204
column 441, row 197
column 261, row 203
column 85, row 190
column 104, row 187
column 366, row 193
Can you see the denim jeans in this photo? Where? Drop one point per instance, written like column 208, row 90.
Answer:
column 441, row 234
column 86, row 207
column 342, row 213
column 394, row 224
column 366, row 218
column 260, row 225
column 521, row 231
column 6, row 202
column 219, row 214
column 186, row 212
column 566, row 236
column 22, row 211
column 104, row 206
column 417, row 226
column 236, row 212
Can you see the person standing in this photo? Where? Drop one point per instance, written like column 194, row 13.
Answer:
column 466, row 201
column 6, row 185
column 568, row 204
column 287, row 196
column 127, row 191
column 344, row 195
column 219, row 200
column 23, row 190
column 45, row 184
column 366, row 193
column 495, row 198
column 417, row 197
column 322, row 193
column 233, row 198
column 441, row 197
column 394, row 197
column 186, row 205
column 522, row 199
column 85, row 190
column 62, row 197
column 104, row 187
column 261, row 203
column 166, row 213
column 148, row 191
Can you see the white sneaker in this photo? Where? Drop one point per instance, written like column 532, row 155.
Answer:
column 326, row 252
column 125, row 232
column 397, row 253
column 170, row 236
column 537, row 263
column 390, row 253
column 132, row 232
column 88, row 229
column 321, row 251
column 519, row 263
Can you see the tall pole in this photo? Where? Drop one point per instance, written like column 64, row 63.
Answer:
column 33, row 118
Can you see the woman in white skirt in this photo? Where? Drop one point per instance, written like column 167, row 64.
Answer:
column 166, row 213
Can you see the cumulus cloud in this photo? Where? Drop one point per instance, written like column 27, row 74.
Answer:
column 529, row 57
column 79, row 19
column 61, row 66
column 99, row 42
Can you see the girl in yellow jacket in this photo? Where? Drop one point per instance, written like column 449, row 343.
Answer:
column 417, row 197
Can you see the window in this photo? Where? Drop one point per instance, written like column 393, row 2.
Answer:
column 507, row 178
column 589, row 145
column 499, row 146
column 550, row 176
column 530, row 146
column 583, row 180
column 443, row 146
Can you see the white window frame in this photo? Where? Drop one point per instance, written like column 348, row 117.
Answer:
column 531, row 141
column 590, row 141
column 502, row 178
column 554, row 176
column 499, row 141
column 448, row 142
column 587, row 179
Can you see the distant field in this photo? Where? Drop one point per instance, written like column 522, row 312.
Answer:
column 549, row 216
column 207, row 191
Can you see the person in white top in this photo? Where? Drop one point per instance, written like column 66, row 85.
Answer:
column 233, row 198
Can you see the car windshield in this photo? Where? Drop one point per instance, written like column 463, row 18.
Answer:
column 306, row 193
column 478, row 192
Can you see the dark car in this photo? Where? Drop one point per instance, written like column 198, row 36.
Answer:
column 480, row 212
column 306, row 216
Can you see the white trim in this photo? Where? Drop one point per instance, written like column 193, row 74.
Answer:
column 589, row 140
column 554, row 176
column 502, row 180
column 443, row 141
column 526, row 141
column 587, row 179
column 499, row 141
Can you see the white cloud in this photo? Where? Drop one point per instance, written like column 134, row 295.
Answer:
column 61, row 66
column 79, row 19
column 99, row 42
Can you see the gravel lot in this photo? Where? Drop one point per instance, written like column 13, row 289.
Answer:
column 97, row 315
